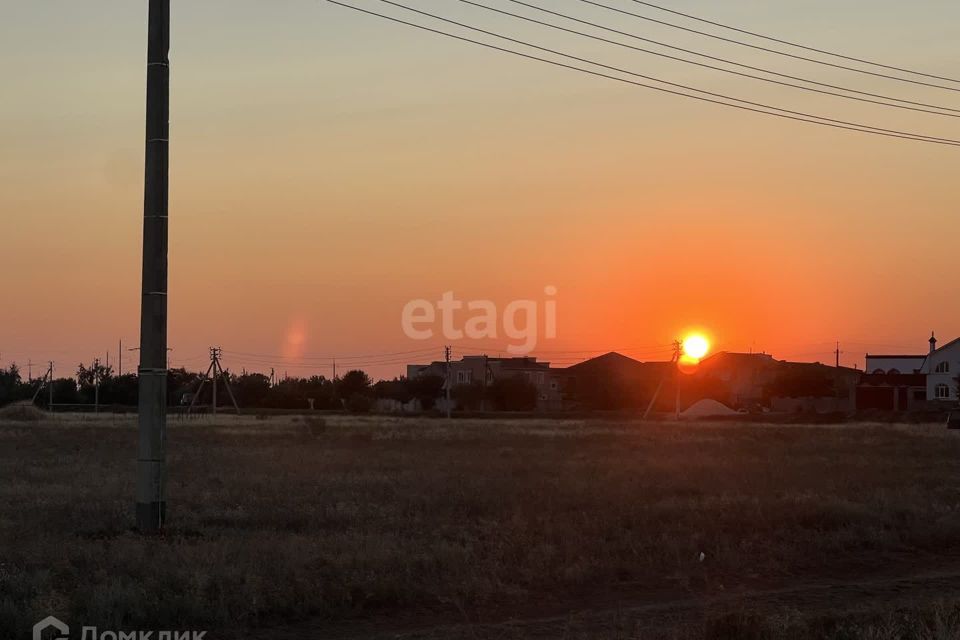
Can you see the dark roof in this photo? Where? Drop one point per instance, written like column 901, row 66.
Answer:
column 905, row 357
column 613, row 361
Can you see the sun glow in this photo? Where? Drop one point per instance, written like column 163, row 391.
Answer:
column 696, row 346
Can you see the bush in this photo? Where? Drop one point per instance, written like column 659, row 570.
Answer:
column 359, row 403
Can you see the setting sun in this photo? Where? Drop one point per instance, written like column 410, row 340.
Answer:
column 696, row 346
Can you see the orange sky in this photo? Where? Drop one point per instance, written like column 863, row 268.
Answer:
column 327, row 168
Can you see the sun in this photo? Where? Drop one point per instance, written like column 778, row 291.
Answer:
column 696, row 346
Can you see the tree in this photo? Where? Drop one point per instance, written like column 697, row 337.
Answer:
column 359, row 403
column 426, row 389
column 10, row 385
column 354, row 382
column 513, row 394
column 252, row 389
column 469, row 396
column 89, row 377
column 181, row 382
column 399, row 389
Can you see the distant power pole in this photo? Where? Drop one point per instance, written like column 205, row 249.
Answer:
column 96, row 385
column 837, row 354
column 214, row 371
column 674, row 360
column 50, row 387
column 48, row 378
column 446, row 355
column 152, row 372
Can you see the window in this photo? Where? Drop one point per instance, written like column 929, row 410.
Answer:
column 464, row 377
column 942, row 367
column 942, row 392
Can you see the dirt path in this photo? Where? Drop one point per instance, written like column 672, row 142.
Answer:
column 900, row 584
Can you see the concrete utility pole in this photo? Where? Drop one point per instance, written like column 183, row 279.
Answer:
column 446, row 355
column 47, row 377
column 152, row 372
column 96, row 385
column 50, row 388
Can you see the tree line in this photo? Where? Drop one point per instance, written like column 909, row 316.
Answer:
column 355, row 391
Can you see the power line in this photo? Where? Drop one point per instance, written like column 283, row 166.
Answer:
column 273, row 356
column 712, row 57
column 793, row 44
column 767, row 49
column 755, row 106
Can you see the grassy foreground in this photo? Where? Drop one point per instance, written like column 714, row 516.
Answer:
column 283, row 520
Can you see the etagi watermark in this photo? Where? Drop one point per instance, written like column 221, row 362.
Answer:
column 50, row 628
column 480, row 319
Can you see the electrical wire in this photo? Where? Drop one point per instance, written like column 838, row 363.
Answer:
column 793, row 44
column 767, row 49
column 712, row 57
column 760, row 108
column 332, row 357
column 654, row 79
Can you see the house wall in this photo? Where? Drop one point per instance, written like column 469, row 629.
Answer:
column 888, row 364
column 949, row 355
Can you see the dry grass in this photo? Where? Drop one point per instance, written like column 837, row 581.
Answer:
column 21, row 412
column 281, row 519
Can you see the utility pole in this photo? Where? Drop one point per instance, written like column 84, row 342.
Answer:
column 213, row 363
column 96, row 385
column 837, row 354
column 675, row 361
column 214, row 371
column 446, row 355
column 50, row 388
column 486, row 373
column 46, row 376
column 152, row 372
column 677, row 354
column 120, row 358
column 29, row 371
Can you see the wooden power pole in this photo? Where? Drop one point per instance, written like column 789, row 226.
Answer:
column 152, row 371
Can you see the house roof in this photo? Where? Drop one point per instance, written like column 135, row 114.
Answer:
column 614, row 362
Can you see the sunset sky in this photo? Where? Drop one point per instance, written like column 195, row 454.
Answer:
column 327, row 167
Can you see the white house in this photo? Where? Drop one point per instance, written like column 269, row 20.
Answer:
column 893, row 365
column 942, row 366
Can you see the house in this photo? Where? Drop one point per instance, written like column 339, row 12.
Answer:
column 738, row 380
column 485, row 370
column 894, row 391
column 942, row 366
column 742, row 377
column 914, row 381
column 614, row 381
column 755, row 380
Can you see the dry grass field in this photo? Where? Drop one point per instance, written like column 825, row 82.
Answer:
column 377, row 527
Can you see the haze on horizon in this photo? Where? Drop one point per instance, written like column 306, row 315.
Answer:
column 326, row 168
